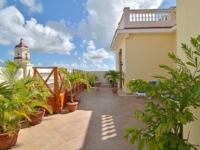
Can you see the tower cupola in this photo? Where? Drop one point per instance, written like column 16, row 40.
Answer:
column 22, row 53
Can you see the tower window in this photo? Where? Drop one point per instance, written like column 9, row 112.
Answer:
column 26, row 56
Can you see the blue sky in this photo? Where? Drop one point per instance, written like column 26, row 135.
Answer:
column 70, row 33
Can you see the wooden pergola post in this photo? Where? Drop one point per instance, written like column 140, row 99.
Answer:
column 56, row 88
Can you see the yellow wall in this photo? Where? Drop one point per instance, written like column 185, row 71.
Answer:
column 188, row 22
column 144, row 52
column 188, row 25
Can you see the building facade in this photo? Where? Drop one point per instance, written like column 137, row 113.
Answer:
column 143, row 39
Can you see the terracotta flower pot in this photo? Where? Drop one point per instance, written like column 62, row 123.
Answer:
column 72, row 106
column 7, row 141
column 114, row 90
column 38, row 117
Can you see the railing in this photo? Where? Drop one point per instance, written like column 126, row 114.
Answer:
column 24, row 58
column 52, row 78
column 147, row 18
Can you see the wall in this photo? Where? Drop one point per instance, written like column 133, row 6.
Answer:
column 144, row 52
column 100, row 75
column 188, row 25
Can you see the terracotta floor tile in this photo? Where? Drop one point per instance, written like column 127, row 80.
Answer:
column 63, row 147
column 70, row 134
column 95, row 147
column 48, row 140
column 80, row 143
column 97, row 124
column 60, row 128
column 20, row 146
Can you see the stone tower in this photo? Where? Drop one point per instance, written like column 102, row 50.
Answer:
column 22, row 53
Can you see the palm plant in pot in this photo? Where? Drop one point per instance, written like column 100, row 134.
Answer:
column 16, row 102
column 113, row 77
column 92, row 78
column 69, row 80
column 42, row 96
column 163, row 121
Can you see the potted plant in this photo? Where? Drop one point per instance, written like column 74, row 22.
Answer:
column 113, row 77
column 163, row 121
column 42, row 96
column 10, row 117
column 16, row 102
column 92, row 78
column 69, row 80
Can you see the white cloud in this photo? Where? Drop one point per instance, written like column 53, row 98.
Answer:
column 40, row 64
column 98, row 67
column 61, row 64
column 60, row 27
column 1, row 61
column 33, row 5
column 74, row 65
column 90, row 46
column 48, row 39
column 2, row 3
column 96, row 55
column 84, row 66
column 84, row 61
column 93, row 58
column 103, row 17
column 71, row 66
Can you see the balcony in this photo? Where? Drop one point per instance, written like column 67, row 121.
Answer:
column 24, row 58
column 147, row 18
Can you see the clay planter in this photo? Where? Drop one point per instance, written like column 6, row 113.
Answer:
column 114, row 90
column 59, row 105
column 72, row 106
column 7, row 141
column 38, row 117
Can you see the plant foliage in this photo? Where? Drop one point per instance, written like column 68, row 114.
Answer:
column 17, row 99
column 92, row 78
column 163, row 121
column 71, row 78
column 114, row 76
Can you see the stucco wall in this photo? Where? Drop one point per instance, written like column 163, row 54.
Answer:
column 188, row 25
column 100, row 75
column 144, row 52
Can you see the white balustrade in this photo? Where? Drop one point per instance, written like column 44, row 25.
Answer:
column 147, row 18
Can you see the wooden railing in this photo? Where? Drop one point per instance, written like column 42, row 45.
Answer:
column 60, row 95
column 52, row 78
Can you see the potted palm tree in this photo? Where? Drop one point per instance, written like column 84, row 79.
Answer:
column 42, row 96
column 92, row 78
column 16, row 102
column 69, row 80
column 113, row 77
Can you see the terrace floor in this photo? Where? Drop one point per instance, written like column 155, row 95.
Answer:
column 98, row 124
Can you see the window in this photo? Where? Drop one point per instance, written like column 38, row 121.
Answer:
column 26, row 56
